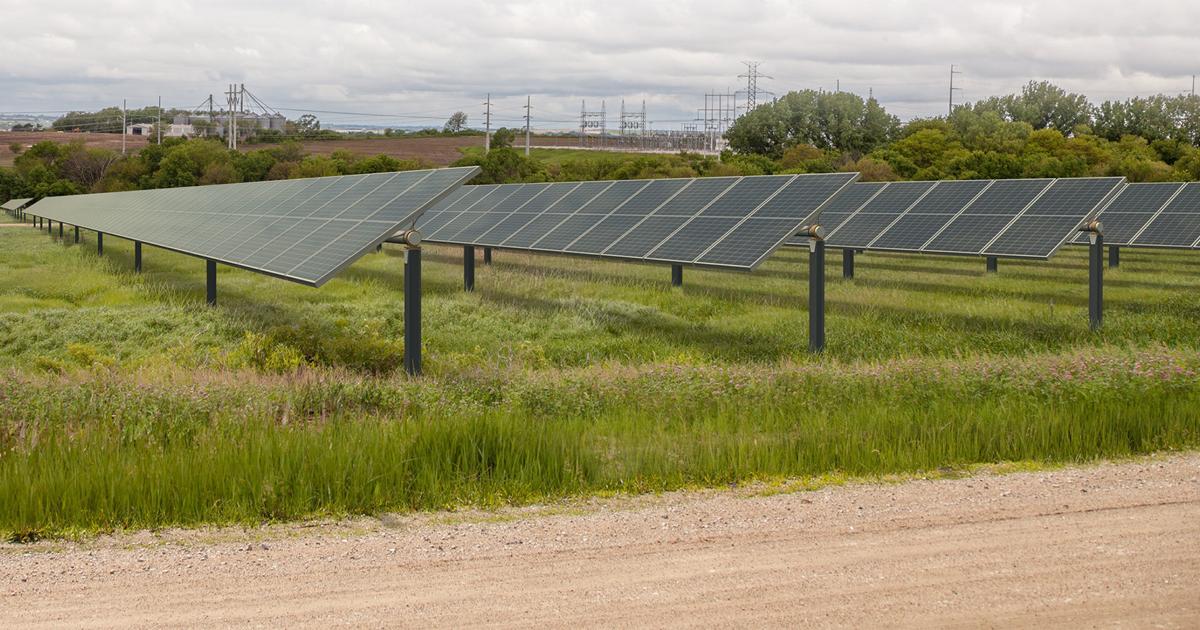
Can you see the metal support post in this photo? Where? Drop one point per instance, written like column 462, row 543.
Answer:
column 816, row 289
column 99, row 243
column 137, row 256
column 487, row 255
column 1096, row 281
column 847, row 263
column 992, row 264
column 412, row 304
column 676, row 275
column 1114, row 256
column 412, row 310
column 210, row 282
column 468, row 268
column 60, row 230
column 76, row 234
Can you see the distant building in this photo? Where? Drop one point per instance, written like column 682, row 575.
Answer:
column 140, row 129
column 218, row 124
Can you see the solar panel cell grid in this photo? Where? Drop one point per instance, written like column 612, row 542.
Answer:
column 269, row 227
column 661, row 220
column 693, row 239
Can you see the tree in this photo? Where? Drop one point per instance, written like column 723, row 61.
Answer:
column 308, row 125
column 1043, row 105
column 838, row 121
column 15, row 148
column 503, row 137
column 457, row 123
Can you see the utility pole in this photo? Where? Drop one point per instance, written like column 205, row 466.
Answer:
column 487, row 117
column 1193, row 85
column 953, row 71
column 751, row 78
column 528, row 113
column 158, row 126
column 124, row 125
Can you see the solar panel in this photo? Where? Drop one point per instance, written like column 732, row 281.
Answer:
column 1177, row 224
column 303, row 230
column 12, row 205
column 862, row 227
column 1053, row 217
column 843, row 205
column 666, row 220
column 926, row 218
column 986, row 216
column 1132, row 209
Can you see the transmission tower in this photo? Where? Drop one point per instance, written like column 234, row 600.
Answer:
column 752, row 76
column 487, row 117
column 953, row 71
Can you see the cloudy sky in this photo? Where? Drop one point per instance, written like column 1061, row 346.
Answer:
column 416, row 61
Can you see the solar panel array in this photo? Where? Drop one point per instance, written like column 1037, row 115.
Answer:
column 1018, row 218
column 730, row 222
column 1161, row 215
column 303, row 230
column 12, row 205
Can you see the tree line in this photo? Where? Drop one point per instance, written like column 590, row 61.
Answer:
column 1044, row 131
column 51, row 168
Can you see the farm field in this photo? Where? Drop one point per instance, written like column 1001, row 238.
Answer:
column 26, row 139
column 557, row 377
column 437, row 151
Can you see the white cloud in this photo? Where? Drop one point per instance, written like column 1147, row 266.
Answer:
column 430, row 58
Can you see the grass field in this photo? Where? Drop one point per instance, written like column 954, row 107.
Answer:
column 127, row 403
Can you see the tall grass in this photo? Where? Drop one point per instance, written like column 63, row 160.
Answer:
column 81, row 455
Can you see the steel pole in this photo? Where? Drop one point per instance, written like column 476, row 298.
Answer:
column 993, row 263
column 847, row 263
column 137, row 256
column 468, row 268
column 487, row 255
column 210, row 282
column 1096, row 281
column 412, row 310
column 1114, row 256
column 676, row 275
column 99, row 243
column 816, row 294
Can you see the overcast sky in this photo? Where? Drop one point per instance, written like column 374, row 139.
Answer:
column 427, row 58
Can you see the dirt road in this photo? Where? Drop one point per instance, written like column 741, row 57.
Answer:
column 1114, row 544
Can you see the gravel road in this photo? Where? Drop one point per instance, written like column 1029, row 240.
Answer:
column 1105, row 545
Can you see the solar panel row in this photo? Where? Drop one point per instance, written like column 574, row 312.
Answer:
column 304, row 230
column 1020, row 218
column 1162, row 215
column 732, row 222
column 12, row 205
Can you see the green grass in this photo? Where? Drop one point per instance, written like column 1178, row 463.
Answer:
column 127, row 403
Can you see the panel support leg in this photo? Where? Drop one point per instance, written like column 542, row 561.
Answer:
column 1114, row 256
column 487, row 255
column 1096, row 281
column 468, row 268
column 816, row 294
column 137, row 256
column 847, row 263
column 676, row 275
column 76, row 234
column 993, row 263
column 99, row 243
column 60, row 230
column 412, row 310
column 210, row 282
